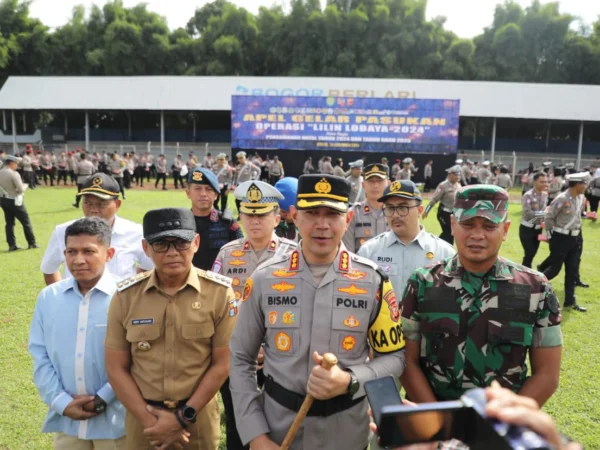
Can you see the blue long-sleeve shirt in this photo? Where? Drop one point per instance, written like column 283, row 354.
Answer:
column 66, row 341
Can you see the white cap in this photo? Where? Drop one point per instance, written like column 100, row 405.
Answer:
column 257, row 197
column 357, row 164
column 486, row 163
column 406, row 160
column 458, row 161
column 238, row 154
column 580, row 177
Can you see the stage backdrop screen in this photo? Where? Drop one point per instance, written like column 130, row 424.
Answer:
column 344, row 123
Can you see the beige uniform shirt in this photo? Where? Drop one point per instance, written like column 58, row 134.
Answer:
column 246, row 172
column 237, row 260
column 10, row 181
column 115, row 168
column 366, row 223
column 339, row 172
column 357, row 193
column 171, row 338
column 504, row 180
column 224, row 174
column 284, row 308
column 327, row 168
column 444, row 194
column 403, row 174
column 84, row 169
column 534, row 208
column 27, row 163
column 555, row 187
column 484, row 176
column 565, row 212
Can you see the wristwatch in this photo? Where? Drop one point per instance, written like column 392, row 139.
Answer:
column 99, row 405
column 188, row 413
column 353, row 386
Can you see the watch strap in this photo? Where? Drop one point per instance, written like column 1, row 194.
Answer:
column 178, row 416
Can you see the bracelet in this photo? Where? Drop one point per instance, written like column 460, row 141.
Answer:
column 180, row 419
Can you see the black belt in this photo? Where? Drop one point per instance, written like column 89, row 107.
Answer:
column 320, row 408
column 167, row 404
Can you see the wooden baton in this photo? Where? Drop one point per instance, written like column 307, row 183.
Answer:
column 329, row 360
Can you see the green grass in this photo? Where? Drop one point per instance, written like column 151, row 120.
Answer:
column 575, row 406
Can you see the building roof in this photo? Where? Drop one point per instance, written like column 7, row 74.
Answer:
column 167, row 93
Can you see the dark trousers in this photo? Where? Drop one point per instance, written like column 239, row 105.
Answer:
column 563, row 250
column 72, row 177
column 238, row 204
column 233, row 438
column 273, row 179
column 443, row 218
column 177, row 178
column 163, row 177
column 221, row 202
column 530, row 243
column 30, row 179
column 48, row 173
column 594, row 203
column 120, row 182
column 427, row 186
column 62, row 174
column 78, row 197
column 138, row 176
column 12, row 212
column 127, row 179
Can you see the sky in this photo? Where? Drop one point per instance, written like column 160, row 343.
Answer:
column 466, row 18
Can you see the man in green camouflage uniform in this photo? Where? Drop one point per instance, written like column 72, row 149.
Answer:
column 473, row 318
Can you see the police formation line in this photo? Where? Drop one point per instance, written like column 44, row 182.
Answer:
column 132, row 342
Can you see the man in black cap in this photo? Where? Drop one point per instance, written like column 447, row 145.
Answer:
column 215, row 229
column 11, row 201
column 167, row 340
column 100, row 194
column 319, row 298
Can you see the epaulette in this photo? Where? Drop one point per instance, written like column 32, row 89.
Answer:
column 233, row 243
column 216, row 277
column 128, row 282
column 365, row 261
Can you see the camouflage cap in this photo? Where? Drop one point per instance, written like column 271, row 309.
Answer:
column 481, row 200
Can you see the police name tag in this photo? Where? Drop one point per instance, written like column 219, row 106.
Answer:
column 142, row 321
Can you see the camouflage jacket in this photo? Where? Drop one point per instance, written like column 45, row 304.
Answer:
column 475, row 328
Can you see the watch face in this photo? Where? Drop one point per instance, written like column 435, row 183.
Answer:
column 189, row 413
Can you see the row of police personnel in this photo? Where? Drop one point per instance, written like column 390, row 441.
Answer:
column 171, row 342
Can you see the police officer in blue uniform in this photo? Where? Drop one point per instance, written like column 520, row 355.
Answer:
column 215, row 229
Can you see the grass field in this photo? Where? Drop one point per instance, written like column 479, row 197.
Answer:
column 575, row 406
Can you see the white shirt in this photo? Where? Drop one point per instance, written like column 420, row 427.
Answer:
column 400, row 260
column 126, row 239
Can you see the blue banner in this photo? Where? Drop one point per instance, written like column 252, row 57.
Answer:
column 345, row 123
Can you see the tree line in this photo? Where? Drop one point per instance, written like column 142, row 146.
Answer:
column 345, row 38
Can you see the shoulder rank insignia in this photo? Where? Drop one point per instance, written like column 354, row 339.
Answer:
column 246, row 246
column 367, row 209
column 128, row 282
column 344, row 261
column 217, row 278
column 273, row 245
column 294, row 260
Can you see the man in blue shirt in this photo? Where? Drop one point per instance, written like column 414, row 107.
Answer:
column 66, row 341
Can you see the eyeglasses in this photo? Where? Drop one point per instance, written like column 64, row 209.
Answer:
column 389, row 211
column 164, row 246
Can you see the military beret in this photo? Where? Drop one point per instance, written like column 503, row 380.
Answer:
column 201, row 175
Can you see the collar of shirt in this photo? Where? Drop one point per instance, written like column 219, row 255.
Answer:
column 106, row 284
column 391, row 238
column 500, row 271
column 192, row 280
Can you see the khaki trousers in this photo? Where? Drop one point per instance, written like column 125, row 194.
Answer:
column 205, row 433
column 65, row 442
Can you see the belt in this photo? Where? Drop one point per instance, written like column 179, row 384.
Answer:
column 167, row 404
column 566, row 232
column 448, row 210
column 293, row 401
column 530, row 225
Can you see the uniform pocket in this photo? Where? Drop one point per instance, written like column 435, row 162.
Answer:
column 203, row 330
column 138, row 333
column 349, row 329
